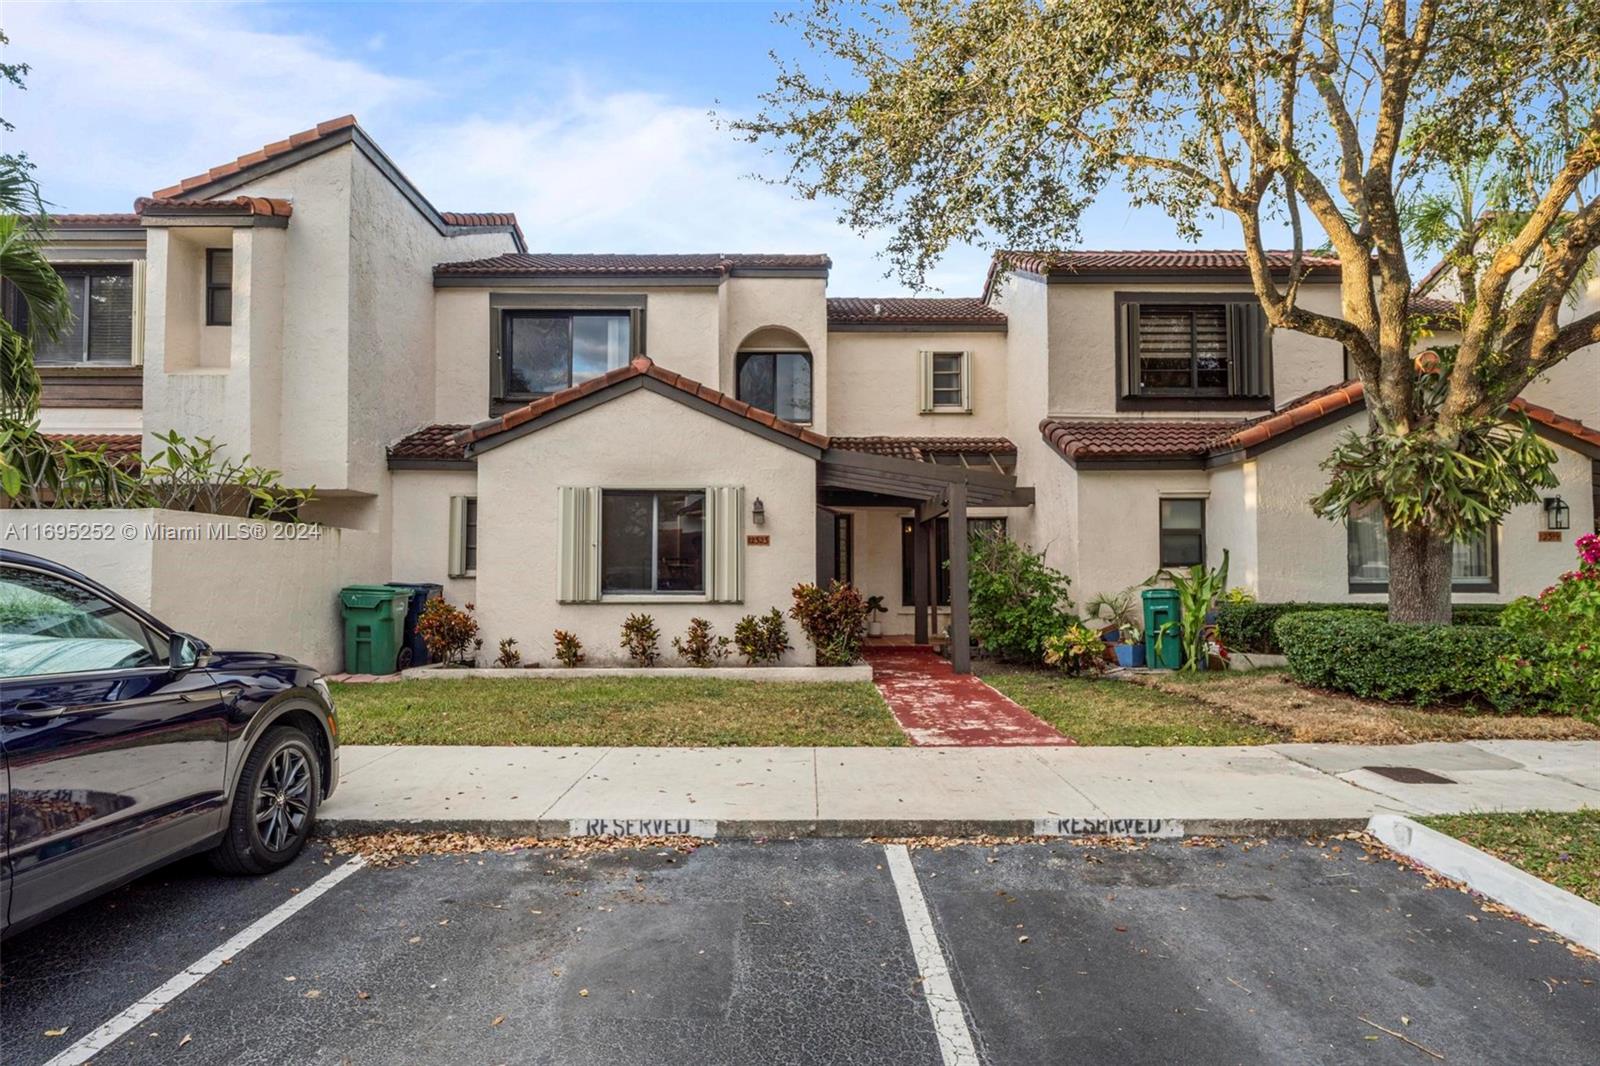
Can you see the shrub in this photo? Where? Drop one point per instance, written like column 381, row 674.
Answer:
column 448, row 631
column 1197, row 588
column 698, row 647
column 761, row 640
column 1016, row 601
column 1247, row 626
column 1561, row 670
column 1075, row 650
column 509, row 656
column 569, row 649
column 834, row 620
column 641, row 640
column 1360, row 652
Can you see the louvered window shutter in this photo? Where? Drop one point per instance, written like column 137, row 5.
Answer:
column 137, row 353
column 1130, row 349
column 925, row 382
column 1249, row 351
column 724, row 560
column 579, row 561
column 966, row 382
column 458, row 536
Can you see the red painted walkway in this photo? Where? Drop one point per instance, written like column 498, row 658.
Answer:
column 938, row 707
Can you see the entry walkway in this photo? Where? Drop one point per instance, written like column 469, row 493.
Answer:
column 938, row 707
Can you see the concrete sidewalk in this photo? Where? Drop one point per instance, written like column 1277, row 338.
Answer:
column 937, row 791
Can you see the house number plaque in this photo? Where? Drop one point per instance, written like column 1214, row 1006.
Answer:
column 758, row 540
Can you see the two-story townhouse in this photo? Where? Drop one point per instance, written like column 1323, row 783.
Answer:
column 565, row 439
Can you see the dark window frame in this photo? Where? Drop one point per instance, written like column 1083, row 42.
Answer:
column 1127, row 399
column 1161, row 532
column 746, row 354
column 940, row 551
column 16, row 312
column 1492, row 585
column 214, row 286
column 655, row 589
column 503, row 353
column 844, row 547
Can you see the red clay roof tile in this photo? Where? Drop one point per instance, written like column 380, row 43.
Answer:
column 248, row 205
column 920, row 448
column 94, row 221
column 1134, row 262
column 551, row 264
column 430, row 442
column 912, row 311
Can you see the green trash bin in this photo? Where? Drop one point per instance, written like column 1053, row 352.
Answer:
column 1161, row 608
column 374, row 627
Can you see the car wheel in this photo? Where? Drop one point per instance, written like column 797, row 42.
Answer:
column 274, row 806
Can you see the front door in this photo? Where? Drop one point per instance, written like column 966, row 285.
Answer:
column 115, row 760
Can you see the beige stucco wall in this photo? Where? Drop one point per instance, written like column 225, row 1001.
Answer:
column 799, row 305
column 1119, row 526
column 639, row 440
column 875, row 385
column 422, row 537
column 1303, row 556
column 1083, row 345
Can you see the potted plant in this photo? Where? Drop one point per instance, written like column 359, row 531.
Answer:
column 1129, row 646
column 1115, row 611
column 875, row 607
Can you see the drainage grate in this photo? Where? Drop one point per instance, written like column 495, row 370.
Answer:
column 1409, row 775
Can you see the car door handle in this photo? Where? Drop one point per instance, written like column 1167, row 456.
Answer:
column 30, row 711
column 226, row 693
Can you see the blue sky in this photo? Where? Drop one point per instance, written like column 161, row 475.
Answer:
column 591, row 121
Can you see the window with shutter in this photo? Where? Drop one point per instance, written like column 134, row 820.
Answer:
column 1199, row 349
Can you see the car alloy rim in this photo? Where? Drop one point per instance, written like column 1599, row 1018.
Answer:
column 283, row 799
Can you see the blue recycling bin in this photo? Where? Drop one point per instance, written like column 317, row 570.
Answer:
column 413, row 650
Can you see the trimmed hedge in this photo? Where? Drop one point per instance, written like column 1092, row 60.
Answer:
column 1360, row 652
column 1249, row 626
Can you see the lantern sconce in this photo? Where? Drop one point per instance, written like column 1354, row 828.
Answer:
column 758, row 512
column 1557, row 515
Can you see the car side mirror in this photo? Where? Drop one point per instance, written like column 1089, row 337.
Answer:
column 184, row 651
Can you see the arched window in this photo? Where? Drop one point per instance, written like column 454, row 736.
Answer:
column 777, row 381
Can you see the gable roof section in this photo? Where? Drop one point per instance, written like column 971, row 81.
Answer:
column 324, row 137
column 641, row 373
column 431, row 446
column 258, row 209
column 691, row 268
column 896, row 312
column 1091, row 443
column 1184, row 264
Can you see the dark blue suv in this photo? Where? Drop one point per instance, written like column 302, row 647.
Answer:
column 126, row 745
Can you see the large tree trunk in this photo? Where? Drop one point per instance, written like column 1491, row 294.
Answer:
column 1419, row 576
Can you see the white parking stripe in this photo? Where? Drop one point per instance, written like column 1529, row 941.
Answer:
column 195, row 972
column 949, row 1023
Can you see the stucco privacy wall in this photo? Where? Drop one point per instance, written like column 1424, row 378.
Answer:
column 230, row 589
column 1303, row 557
column 875, row 385
column 422, row 535
column 645, row 441
column 1083, row 344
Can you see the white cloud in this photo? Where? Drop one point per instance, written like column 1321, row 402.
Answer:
column 124, row 99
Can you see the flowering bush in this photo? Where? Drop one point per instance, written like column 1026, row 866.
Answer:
column 1560, row 668
column 835, row 620
column 448, row 631
column 1075, row 650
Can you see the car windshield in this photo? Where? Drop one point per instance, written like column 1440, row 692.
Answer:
column 52, row 626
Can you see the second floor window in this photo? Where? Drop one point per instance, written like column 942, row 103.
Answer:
column 219, row 287
column 779, row 382
column 946, row 382
column 547, row 351
column 1203, row 349
column 101, row 330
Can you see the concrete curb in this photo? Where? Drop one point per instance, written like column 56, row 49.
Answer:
column 1576, row 919
column 847, row 828
column 770, row 674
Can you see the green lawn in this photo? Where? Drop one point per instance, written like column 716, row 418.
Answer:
column 653, row 712
column 1561, row 848
column 1118, row 712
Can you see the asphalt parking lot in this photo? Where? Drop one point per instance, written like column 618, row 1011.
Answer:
column 810, row 952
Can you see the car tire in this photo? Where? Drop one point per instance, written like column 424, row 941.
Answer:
column 274, row 806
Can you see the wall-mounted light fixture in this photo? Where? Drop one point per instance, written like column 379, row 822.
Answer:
column 1557, row 515
column 758, row 512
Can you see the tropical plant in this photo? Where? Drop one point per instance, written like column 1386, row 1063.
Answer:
column 1075, row 650
column 1561, row 670
column 698, row 647
column 761, row 640
column 569, row 649
column 509, row 657
column 448, row 632
column 834, row 620
column 641, row 639
column 1015, row 599
column 951, row 121
column 1119, row 609
column 1197, row 588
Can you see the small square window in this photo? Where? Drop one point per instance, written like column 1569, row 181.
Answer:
column 219, row 287
column 1183, row 532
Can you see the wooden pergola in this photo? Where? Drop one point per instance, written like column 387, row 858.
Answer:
column 930, row 490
